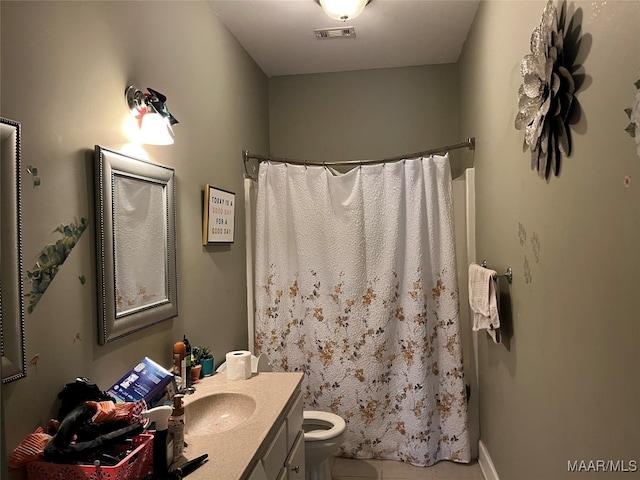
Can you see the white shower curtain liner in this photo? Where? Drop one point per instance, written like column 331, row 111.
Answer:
column 355, row 285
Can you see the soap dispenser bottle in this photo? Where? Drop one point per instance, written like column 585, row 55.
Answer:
column 176, row 426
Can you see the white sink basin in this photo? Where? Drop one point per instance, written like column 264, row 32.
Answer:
column 218, row 412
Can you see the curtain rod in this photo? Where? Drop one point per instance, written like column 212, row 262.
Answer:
column 470, row 144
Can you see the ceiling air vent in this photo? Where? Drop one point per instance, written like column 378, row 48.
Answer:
column 338, row 32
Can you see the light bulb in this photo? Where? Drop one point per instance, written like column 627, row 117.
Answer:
column 155, row 130
column 343, row 9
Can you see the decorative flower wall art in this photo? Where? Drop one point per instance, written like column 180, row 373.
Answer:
column 634, row 116
column 545, row 96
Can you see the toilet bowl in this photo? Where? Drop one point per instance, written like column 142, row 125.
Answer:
column 323, row 434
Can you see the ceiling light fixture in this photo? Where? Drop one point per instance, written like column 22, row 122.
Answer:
column 150, row 111
column 343, row 9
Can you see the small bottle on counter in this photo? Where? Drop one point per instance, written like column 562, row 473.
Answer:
column 176, row 426
column 187, row 362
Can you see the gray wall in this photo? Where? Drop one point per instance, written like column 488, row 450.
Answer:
column 65, row 66
column 566, row 384
column 363, row 114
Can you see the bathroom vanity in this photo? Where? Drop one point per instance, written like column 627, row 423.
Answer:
column 251, row 429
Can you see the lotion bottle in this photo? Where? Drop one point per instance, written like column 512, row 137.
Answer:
column 176, row 426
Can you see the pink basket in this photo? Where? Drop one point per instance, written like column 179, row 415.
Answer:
column 135, row 466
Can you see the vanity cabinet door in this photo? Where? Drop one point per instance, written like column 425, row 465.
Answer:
column 284, row 459
column 294, row 421
column 274, row 459
column 258, row 473
column 295, row 462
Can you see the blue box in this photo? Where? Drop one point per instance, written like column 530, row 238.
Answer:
column 147, row 380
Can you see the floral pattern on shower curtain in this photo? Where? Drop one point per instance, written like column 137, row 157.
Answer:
column 356, row 288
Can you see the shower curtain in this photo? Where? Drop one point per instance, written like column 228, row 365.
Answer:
column 355, row 286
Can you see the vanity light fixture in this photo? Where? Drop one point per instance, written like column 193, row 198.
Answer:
column 153, row 118
column 343, row 9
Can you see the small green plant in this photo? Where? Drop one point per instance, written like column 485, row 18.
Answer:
column 200, row 353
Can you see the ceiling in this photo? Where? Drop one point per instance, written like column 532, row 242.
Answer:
column 279, row 34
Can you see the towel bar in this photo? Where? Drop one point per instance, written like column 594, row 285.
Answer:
column 508, row 274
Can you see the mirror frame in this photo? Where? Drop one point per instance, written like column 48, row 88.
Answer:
column 121, row 313
column 12, row 311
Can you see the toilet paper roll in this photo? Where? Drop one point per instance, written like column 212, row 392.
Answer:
column 238, row 365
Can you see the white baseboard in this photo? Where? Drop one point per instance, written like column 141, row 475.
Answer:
column 486, row 465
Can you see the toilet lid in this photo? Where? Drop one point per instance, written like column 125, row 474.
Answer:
column 335, row 422
column 260, row 363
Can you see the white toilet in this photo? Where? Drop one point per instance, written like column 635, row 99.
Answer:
column 323, row 433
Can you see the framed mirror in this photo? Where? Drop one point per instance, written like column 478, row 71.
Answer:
column 136, row 237
column 12, row 273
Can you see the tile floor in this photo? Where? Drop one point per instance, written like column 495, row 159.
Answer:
column 351, row 469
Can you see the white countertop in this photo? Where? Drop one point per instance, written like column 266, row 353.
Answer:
column 234, row 453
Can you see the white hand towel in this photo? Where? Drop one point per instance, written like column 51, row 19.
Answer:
column 483, row 300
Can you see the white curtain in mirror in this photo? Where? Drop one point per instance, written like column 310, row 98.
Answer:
column 140, row 259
